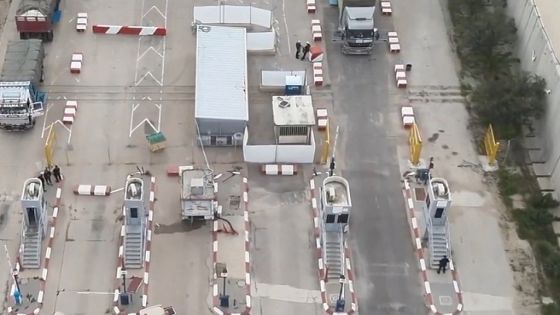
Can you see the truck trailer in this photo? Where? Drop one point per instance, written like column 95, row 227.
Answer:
column 356, row 26
column 21, row 101
column 36, row 18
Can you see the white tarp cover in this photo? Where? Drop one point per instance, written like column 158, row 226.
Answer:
column 261, row 42
column 233, row 14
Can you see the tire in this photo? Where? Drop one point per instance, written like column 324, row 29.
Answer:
column 50, row 36
column 23, row 36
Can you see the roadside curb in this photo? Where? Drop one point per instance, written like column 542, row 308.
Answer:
column 417, row 242
column 120, row 256
column 215, row 301
column 320, row 261
column 47, row 258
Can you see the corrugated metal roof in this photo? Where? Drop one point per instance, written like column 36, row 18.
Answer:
column 221, row 73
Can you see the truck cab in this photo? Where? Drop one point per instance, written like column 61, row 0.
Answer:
column 20, row 105
column 359, row 31
column 356, row 26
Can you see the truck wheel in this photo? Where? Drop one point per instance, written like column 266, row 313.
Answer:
column 23, row 36
column 50, row 36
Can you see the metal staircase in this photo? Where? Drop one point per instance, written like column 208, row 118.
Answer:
column 334, row 254
column 133, row 247
column 31, row 249
column 438, row 244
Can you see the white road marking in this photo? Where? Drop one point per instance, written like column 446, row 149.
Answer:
column 137, row 80
column 286, row 26
column 94, row 293
column 285, row 293
column 157, row 10
column 45, row 121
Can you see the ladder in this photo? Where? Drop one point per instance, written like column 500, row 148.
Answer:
column 333, row 252
column 133, row 247
column 32, row 244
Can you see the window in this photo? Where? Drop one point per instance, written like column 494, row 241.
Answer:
column 343, row 218
column 330, row 218
column 134, row 213
column 293, row 131
column 439, row 213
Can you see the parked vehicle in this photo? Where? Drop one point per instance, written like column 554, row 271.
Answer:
column 36, row 18
column 21, row 101
column 356, row 26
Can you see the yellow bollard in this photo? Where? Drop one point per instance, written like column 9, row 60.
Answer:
column 491, row 146
column 415, row 144
column 49, row 146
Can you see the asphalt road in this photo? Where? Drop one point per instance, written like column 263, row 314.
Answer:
column 386, row 271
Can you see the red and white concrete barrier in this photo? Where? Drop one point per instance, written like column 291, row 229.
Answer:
column 386, row 8
column 400, row 76
column 316, row 30
column 311, row 7
column 92, row 190
column 129, row 30
column 70, row 111
column 279, row 169
column 318, row 73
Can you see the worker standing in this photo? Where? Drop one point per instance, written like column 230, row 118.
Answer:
column 298, row 49
column 306, row 50
column 56, row 173
column 42, row 179
column 442, row 264
column 47, row 173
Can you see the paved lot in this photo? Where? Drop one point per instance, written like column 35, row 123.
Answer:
column 386, row 272
column 102, row 150
column 285, row 265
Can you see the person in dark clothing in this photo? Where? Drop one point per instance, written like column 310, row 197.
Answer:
column 306, row 50
column 56, row 173
column 443, row 264
column 47, row 175
column 431, row 163
column 42, row 179
column 298, row 49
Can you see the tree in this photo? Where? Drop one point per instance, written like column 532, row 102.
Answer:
column 509, row 104
column 487, row 45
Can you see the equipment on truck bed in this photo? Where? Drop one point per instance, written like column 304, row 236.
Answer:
column 356, row 26
column 198, row 194
column 20, row 99
column 36, row 18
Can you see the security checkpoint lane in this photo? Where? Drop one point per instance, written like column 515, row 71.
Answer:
column 283, row 250
column 179, row 255
column 83, row 263
column 231, row 289
column 441, row 290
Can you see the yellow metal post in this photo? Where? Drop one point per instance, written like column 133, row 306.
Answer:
column 415, row 144
column 326, row 145
column 49, row 146
column 491, row 146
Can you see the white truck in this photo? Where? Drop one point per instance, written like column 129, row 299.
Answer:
column 21, row 101
column 356, row 26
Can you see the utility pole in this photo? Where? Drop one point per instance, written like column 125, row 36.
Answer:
column 14, row 274
column 333, row 163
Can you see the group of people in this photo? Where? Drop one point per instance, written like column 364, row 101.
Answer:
column 302, row 49
column 46, row 176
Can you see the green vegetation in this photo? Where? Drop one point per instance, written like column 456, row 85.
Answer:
column 498, row 93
